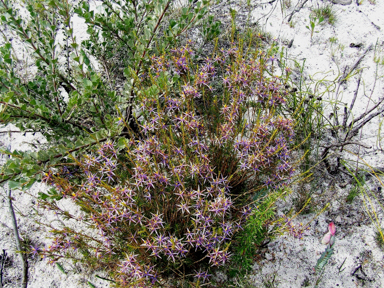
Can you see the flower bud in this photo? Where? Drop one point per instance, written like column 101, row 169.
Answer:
column 326, row 238
column 330, row 236
column 332, row 228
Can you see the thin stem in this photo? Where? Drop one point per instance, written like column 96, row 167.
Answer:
column 16, row 234
column 2, row 267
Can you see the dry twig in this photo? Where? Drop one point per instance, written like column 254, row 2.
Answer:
column 23, row 256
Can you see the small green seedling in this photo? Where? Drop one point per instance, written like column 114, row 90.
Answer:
column 333, row 40
column 313, row 23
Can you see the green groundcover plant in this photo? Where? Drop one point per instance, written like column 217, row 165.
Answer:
column 166, row 153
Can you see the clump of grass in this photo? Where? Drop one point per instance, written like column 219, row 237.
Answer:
column 359, row 183
column 327, row 13
column 352, row 194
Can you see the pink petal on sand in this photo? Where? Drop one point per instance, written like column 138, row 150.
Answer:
column 332, row 228
column 326, row 238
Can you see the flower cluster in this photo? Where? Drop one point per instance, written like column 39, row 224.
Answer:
column 297, row 231
column 171, row 198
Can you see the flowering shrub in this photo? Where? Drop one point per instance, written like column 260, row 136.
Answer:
column 170, row 198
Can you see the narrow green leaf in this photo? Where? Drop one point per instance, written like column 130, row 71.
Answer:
column 43, row 196
column 61, row 268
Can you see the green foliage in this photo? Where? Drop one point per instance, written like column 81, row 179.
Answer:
column 257, row 38
column 359, row 184
column 211, row 28
column 323, row 260
column 355, row 191
column 313, row 21
column 379, row 238
column 51, row 195
column 321, row 264
column 326, row 12
column 333, row 40
column 68, row 93
column 61, row 268
column 306, row 108
column 254, row 233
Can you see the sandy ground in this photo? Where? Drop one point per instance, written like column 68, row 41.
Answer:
column 286, row 261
